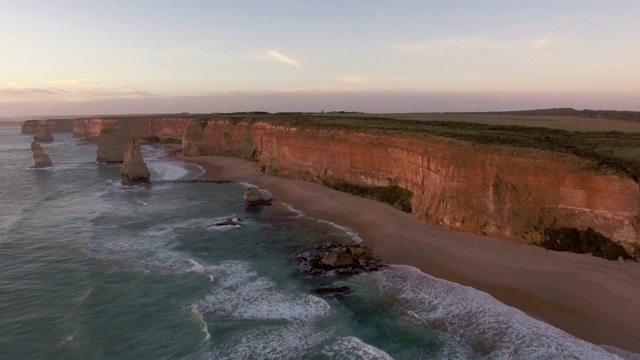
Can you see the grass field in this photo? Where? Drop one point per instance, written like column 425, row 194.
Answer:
column 571, row 123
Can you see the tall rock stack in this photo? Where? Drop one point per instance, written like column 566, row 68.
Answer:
column 134, row 170
column 29, row 127
column 41, row 159
column 110, row 147
column 42, row 133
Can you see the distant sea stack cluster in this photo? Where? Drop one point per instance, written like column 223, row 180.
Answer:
column 134, row 170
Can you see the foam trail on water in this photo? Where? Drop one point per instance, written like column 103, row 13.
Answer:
column 242, row 294
column 473, row 323
column 166, row 171
column 293, row 341
column 352, row 233
column 205, row 327
column 352, row 348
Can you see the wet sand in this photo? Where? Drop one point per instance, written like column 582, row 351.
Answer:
column 591, row 298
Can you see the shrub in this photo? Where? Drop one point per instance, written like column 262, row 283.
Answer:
column 583, row 242
column 392, row 194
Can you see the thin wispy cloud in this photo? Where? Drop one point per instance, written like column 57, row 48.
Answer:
column 473, row 42
column 478, row 42
column 70, row 82
column 51, row 93
column 354, row 79
column 277, row 56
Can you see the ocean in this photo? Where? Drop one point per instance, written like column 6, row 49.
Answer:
column 90, row 269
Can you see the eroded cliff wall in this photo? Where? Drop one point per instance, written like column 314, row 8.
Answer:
column 54, row 125
column 493, row 190
column 141, row 127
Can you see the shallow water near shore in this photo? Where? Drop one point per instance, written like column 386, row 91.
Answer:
column 91, row 269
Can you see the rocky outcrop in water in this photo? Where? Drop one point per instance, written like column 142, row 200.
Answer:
column 29, row 127
column 338, row 293
column 41, row 159
column 42, row 133
column 230, row 222
column 343, row 259
column 110, row 147
column 134, row 170
column 254, row 196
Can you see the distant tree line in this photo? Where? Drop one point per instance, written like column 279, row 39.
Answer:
column 586, row 113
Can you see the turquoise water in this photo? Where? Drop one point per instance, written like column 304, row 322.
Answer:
column 93, row 270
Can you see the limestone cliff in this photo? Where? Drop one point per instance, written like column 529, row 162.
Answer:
column 134, row 170
column 110, row 146
column 41, row 159
column 54, row 125
column 502, row 191
column 162, row 127
column 42, row 133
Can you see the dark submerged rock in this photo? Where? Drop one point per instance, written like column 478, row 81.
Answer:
column 338, row 293
column 230, row 222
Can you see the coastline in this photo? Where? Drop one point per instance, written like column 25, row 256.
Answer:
column 591, row 298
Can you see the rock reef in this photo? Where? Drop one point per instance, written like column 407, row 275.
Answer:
column 43, row 134
column 134, row 170
column 41, row 159
column 344, row 259
column 110, row 147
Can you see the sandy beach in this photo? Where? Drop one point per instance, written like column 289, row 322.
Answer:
column 591, row 298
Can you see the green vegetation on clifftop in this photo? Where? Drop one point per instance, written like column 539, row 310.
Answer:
column 610, row 150
column 583, row 242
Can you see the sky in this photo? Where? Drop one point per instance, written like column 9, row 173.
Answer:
column 83, row 57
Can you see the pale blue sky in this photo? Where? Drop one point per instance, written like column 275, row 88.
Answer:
column 82, row 57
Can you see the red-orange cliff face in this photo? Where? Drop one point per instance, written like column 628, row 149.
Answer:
column 54, row 125
column 143, row 126
column 492, row 190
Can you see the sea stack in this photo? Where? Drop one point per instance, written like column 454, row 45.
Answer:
column 134, row 170
column 110, row 147
column 41, row 159
column 254, row 196
column 42, row 133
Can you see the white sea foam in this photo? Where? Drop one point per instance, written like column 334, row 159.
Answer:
column 352, row 348
column 59, row 166
column 166, row 171
column 292, row 341
column 143, row 203
column 201, row 171
column 152, row 153
column 352, row 233
column 7, row 147
column 200, row 319
column 243, row 294
column 246, row 185
column 197, row 267
column 473, row 322
column 296, row 213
